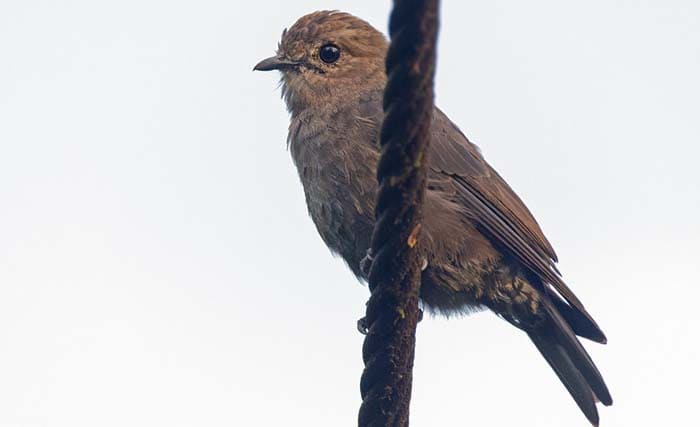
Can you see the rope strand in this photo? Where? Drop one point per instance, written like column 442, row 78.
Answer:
column 394, row 277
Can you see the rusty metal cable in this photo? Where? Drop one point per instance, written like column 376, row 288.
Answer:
column 394, row 278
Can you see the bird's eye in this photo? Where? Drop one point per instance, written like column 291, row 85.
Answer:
column 329, row 53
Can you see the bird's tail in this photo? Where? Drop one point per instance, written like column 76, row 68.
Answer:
column 565, row 354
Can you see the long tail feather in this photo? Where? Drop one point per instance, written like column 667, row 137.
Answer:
column 556, row 341
column 568, row 374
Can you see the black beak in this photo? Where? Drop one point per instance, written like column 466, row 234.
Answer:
column 274, row 63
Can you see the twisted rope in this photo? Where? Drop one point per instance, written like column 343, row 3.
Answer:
column 394, row 278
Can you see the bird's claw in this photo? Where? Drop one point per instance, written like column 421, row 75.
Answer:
column 366, row 263
column 362, row 326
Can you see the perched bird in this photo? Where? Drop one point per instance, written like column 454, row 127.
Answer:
column 482, row 247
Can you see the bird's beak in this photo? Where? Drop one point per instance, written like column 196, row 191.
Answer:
column 274, row 63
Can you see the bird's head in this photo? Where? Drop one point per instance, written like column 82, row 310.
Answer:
column 327, row 57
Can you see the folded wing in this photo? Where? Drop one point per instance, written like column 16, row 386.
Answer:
column 500, row 214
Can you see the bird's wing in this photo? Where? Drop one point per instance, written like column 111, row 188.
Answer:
column 493, row 205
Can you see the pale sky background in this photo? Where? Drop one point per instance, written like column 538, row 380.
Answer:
column 158, row 268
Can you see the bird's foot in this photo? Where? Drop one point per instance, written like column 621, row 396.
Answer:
column 362, row 326
column 366, row 263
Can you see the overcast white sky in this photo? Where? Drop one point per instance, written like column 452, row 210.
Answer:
column 158, row 268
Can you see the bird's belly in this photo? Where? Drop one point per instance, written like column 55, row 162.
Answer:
column 344, row 225
column 448, row 288
column 462, row 287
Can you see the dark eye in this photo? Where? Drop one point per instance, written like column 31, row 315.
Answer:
column 329, row 53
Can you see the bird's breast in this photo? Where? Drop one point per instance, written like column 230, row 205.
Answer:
column 337, row 172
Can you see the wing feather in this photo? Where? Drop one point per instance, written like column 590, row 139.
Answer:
column 495, row 207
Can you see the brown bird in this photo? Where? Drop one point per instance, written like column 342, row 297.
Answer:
column 481, row 246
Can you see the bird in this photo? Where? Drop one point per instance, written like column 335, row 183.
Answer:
column 481, row 247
